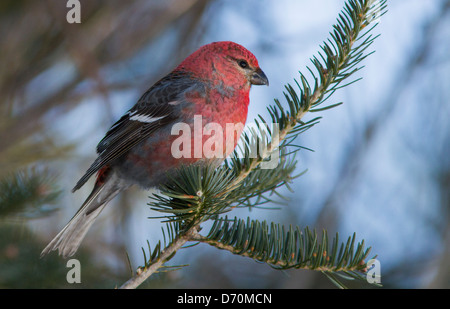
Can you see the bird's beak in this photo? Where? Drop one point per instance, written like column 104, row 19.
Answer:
column 259, row 78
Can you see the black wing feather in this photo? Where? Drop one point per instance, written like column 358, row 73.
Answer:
column 127, row 133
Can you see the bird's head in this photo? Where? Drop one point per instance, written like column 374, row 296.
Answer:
column 226, row 62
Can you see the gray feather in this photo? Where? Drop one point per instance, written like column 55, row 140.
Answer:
column 69, row 239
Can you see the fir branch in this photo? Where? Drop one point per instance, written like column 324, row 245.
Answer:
column 299, row 249
column 199, row 193
column 27, row 194
column 160, row 259
column 340, row 59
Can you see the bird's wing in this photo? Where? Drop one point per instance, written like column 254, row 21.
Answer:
column 154, row 110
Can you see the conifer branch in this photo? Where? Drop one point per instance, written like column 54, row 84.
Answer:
column 300, row 249
column 338, row 65
column 158, row 261
column 27, row 193
column 197, row 193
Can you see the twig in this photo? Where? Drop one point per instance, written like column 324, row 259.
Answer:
column 166, row 254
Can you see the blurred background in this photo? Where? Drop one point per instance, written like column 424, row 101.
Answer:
column 380, row 166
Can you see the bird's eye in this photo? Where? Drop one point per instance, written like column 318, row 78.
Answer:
column 243, row 64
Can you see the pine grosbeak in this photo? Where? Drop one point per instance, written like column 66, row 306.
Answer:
column 213, row 82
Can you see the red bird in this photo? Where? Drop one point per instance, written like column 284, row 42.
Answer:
column 213, row 83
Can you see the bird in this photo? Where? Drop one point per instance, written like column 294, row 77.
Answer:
column 211, row 85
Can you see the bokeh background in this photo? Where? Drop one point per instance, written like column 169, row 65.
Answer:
column 380, row 166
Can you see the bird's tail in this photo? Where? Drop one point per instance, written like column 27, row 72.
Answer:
column 69, row 239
